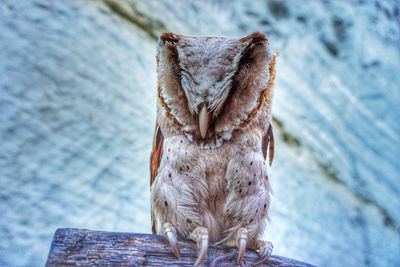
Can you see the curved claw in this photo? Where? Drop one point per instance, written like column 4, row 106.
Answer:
column 265, row 252
column 174, row 243
column 242, row 250
column 170, row 233
column 241, row 243
column 200, row 236
column 203, row 246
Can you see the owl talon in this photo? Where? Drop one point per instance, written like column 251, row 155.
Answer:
column 203, row 251
column 241, row 243
column 200, row 236
column 265, row 252
column 170, row 234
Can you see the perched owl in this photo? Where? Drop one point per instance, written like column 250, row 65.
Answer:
column 209, row 179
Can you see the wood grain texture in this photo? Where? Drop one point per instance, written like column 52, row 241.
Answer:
column 89, row 248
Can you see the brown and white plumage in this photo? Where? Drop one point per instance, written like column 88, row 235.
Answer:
column 213, row 132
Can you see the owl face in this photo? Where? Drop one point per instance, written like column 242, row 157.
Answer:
column 210, row 85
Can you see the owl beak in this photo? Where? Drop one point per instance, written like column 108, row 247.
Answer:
column 204, row 118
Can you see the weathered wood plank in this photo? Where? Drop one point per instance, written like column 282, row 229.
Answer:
column 86, row 247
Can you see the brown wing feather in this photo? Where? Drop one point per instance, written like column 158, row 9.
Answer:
column 155, row 158
column 268, row 144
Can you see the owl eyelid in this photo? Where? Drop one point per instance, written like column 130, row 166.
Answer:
column 189, row 76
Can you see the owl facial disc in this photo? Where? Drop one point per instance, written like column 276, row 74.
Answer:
column 204, row 118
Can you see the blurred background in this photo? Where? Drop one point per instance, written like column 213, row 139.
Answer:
column 77, row 111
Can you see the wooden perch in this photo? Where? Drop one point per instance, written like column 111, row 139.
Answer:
column 86, row 247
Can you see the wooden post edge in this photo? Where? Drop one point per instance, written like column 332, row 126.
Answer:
column 94, row 248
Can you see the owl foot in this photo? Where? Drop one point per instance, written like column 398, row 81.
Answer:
column 170, row 234
column 264, row 250
column 241, row 243
column 200, row 236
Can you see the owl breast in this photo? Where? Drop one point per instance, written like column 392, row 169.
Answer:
column 221, row 189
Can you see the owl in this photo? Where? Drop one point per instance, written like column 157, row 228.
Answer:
column 213, row 133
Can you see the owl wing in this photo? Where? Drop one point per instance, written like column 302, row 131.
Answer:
column 155, row 158
column 268, row 144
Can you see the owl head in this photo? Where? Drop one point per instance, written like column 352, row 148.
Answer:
column 212, row 86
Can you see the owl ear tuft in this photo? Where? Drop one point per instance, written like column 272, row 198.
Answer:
column 169, row 37
column 255, row 37
column 167, row 51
